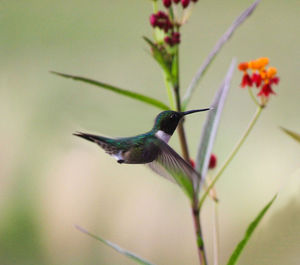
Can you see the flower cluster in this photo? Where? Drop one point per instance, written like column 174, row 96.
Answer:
column 263, row 78
column 163, row 21
column 167, row 23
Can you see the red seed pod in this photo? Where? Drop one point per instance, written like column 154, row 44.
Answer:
column 167, row 3
column 185, row 3
column 212, row 161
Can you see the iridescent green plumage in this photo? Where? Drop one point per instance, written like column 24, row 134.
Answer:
column 151, row 148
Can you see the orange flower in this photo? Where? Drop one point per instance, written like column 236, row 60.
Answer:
column 262, row 77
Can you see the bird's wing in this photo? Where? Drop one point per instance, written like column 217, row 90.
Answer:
column 172, row 166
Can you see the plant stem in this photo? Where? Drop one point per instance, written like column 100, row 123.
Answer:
column 198, row 231
column 185, row 153
column 169, row 92
column 233, row 153
column 181, row 132
column 216, row 234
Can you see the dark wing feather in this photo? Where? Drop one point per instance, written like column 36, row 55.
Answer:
column 172, row 166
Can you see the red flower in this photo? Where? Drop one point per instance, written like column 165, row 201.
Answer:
column 266, row 90
column 246, row 81
column 263, row 78
column 212, row 161
column 275, row 80
column 256, row 79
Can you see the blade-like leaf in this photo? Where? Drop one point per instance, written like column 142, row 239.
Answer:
column 115, row 247
column 211, row 124
column 239, row 248
column 226, row 36
column 294, row 135
column 127, row 93
column 159, row 57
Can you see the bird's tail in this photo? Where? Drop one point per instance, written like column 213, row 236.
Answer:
column 89, row 137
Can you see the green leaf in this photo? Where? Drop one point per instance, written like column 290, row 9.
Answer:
column 160, row 58
column 212, row 123
column 127, row 93
column 220, row 43
column 239, row 248
column 115, row 247
column 295, row 136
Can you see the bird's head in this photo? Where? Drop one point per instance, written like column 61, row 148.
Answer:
column 168, row 120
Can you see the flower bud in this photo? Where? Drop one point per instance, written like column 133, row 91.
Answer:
column 153, row 20
column 185, row 3
column 243, row 66
column 167, row 3
column 212, row 161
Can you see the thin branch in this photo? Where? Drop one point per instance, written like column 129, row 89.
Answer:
column 232, row 154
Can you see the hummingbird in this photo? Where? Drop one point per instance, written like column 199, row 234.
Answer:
column 150, row 148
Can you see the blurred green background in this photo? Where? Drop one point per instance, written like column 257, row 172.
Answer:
column 51, row 181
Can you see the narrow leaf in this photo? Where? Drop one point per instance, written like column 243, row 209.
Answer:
column 115, row 247
column 226, row 36
column 127, row 93
column 211, row 125
column 239, row 248
column 294, row 135
column 159, row 57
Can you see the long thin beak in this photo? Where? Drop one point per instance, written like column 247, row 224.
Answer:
column 193, row 111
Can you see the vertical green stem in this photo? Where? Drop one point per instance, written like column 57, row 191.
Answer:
column 233, row 153
column 169, row 92
column 185, row 153
column 181, row 132
column 198, row 231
